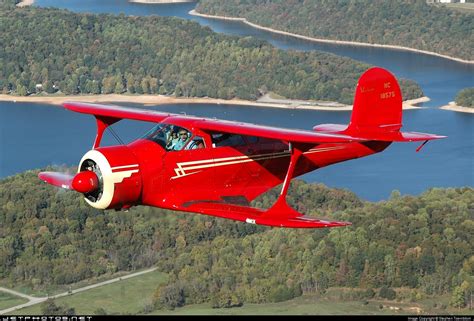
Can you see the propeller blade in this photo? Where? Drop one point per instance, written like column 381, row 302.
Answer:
column 83, row 182
column 57, row 179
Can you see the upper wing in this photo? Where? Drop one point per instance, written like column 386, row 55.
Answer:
column 285, row 134
column 118, row 112
column 211, row 125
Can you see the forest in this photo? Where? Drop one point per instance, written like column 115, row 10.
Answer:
column 423, row 243
column 465, row 97
column 48, row 51
column 408, row 23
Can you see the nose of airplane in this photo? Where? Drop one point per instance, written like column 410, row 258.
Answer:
column 85, row 182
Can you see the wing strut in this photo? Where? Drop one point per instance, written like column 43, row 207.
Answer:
column 281, row 207
column 102, row 123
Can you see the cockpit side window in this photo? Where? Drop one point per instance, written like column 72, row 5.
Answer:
column 226, row 139
column 157, row 134
column 196, row 143
column 170, row 137
column 178, row 141
column 252, row 139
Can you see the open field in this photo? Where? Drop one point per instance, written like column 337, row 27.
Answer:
column 313, row 305
column 8, row 300
column 52, row 290
column 124, row 297
column 464, row 7
column 133, row 295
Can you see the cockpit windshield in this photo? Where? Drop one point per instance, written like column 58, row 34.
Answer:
column 170, row 137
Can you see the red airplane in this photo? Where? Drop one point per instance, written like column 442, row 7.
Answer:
column 217, row 167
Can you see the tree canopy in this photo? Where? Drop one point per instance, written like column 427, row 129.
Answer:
column 52, row 50
column 465, row 97
column 408, row 23
column 51, row 237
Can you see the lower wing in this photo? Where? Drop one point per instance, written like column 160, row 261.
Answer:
column 280, row 215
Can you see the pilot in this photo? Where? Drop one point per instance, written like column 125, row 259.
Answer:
column 182, row 139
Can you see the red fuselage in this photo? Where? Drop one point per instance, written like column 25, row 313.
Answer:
column 230, row 174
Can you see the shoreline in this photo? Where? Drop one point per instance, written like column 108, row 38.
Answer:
column 452, row 106
column 153, row 100
column 160, row 1
column 340, row 42
column 25, row 3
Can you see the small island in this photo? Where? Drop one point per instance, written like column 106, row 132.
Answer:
column 464, row 102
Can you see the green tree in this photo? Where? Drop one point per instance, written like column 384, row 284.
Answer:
column 387, row 293
column 49, row 307
column 458, row 299
column 465, row 97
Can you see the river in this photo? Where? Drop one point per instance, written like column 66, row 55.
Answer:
column 35, row 135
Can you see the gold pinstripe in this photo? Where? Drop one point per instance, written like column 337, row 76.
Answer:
column 183, row 168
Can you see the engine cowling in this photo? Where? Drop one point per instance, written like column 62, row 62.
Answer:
column 118, row 176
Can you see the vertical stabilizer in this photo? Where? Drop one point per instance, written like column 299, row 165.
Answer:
column 377, row 103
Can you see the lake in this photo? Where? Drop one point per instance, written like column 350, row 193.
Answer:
column 35, row 135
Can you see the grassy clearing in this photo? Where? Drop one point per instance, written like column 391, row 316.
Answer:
column 463, row 7
column 123, row 297
column 57, row 289
column 8, row 300
column 313, row 305
column 133, row 295
column 275, row 96
column 25, row 289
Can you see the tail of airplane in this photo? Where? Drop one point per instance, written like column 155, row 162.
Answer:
column 377, row 103
column 377, row 111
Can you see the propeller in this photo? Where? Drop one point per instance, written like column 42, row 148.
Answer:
column 83, row 182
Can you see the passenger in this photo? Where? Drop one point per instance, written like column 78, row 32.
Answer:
column 182, row 139
column 172, row 140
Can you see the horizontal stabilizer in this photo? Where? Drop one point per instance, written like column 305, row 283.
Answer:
column 62, row 180
column 271, row 217
column 401, row 136
column 379, row 135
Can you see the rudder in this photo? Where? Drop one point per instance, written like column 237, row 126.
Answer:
column 377, row 103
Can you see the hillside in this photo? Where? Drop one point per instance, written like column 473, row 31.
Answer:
column 51, row 238
column 51, row 50
column 408, row 23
